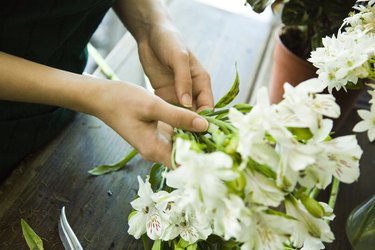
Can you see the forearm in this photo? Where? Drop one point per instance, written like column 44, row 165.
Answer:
column 26, row 81
column 139, row 16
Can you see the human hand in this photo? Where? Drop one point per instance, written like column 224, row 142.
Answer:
column 174, row 72
column 144, row 120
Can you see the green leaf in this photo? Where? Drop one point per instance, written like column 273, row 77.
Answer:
column 232, row 93
column 281, row 214
column 131, row 214
column 301, row 133
column 104, row 169
column 360, row 226
column 205, row 112
column 192, row 247
column 258, row 5
column 181, row 244
column 32, row 239
column 156, row 245
column 156, row 177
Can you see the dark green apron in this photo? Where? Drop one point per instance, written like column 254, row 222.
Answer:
column 53, row 33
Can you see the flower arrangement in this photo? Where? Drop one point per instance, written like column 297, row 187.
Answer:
column 251, row 181
column 347, row 60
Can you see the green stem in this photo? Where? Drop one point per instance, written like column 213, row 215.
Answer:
column 334, row 193
column 207, row 141
column 102, row 64
column 173, row 156
column 145, row 242
column 314, row 192
column 223, row 125
column 162, row 180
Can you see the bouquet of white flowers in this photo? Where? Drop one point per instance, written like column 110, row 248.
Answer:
column 348, row 59
column 251, row 181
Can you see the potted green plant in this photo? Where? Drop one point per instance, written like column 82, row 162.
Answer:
column 304, row 24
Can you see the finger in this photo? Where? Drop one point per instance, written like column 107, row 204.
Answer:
column 202, row 92
column 204, row 99
column 182, row 77
column 157, row 149
column 178, row 117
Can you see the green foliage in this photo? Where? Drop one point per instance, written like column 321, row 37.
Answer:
column 360, row 226
column 156, row 176
column 306, row 22
column 105, row 169
column 32, row 239
column 232, row 93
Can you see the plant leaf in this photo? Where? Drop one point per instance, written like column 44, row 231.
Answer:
column 32, row 239
column 258, row 5
column 156, row 245
column 156, row 176
column 231, row 94
column 104, row 169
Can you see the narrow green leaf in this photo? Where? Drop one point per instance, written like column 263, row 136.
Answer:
column 104, row 169
column 32, row 239
column 231, row 94
column 258, row 5
column 102, row 63
column 156, row 245
column 192, row 247
column 156, row 176
column 181, row 244
column 145, row 240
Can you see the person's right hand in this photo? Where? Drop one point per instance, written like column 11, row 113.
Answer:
column 144, row 120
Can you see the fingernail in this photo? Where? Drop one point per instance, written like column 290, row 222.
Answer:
column 200, row 124
column 186, row 101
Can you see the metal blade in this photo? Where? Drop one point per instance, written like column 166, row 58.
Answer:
column 67, row 236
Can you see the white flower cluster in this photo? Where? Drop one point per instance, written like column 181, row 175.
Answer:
column 255, row 190
column 350, row 55
column 368, row 117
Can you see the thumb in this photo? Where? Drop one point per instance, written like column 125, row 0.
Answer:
column 179, row 117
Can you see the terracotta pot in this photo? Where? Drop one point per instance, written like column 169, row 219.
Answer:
column 287, row 67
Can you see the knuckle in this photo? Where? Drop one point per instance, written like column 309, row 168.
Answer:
column 183, row 55
column 148, row 107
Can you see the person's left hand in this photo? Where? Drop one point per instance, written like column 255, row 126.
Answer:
column 174, row 72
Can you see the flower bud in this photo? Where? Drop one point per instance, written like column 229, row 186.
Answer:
column 312, row 206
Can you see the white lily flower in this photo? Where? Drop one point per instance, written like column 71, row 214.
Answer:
column 341, row 158
column 147, row 217
column 303, row 107
column 367, row 123
column 227, row 217
column 266, row 231
column 262, row 190
column 294, row 157
column 309, row 232
column 187, row 226
column 343, row 58
column 201, row 176
column 252, row 128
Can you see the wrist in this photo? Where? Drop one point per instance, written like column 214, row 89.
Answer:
column 142, row 16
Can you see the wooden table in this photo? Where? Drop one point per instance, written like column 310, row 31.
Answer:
column 97, row 207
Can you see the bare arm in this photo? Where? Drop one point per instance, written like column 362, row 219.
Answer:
column 130, row 110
